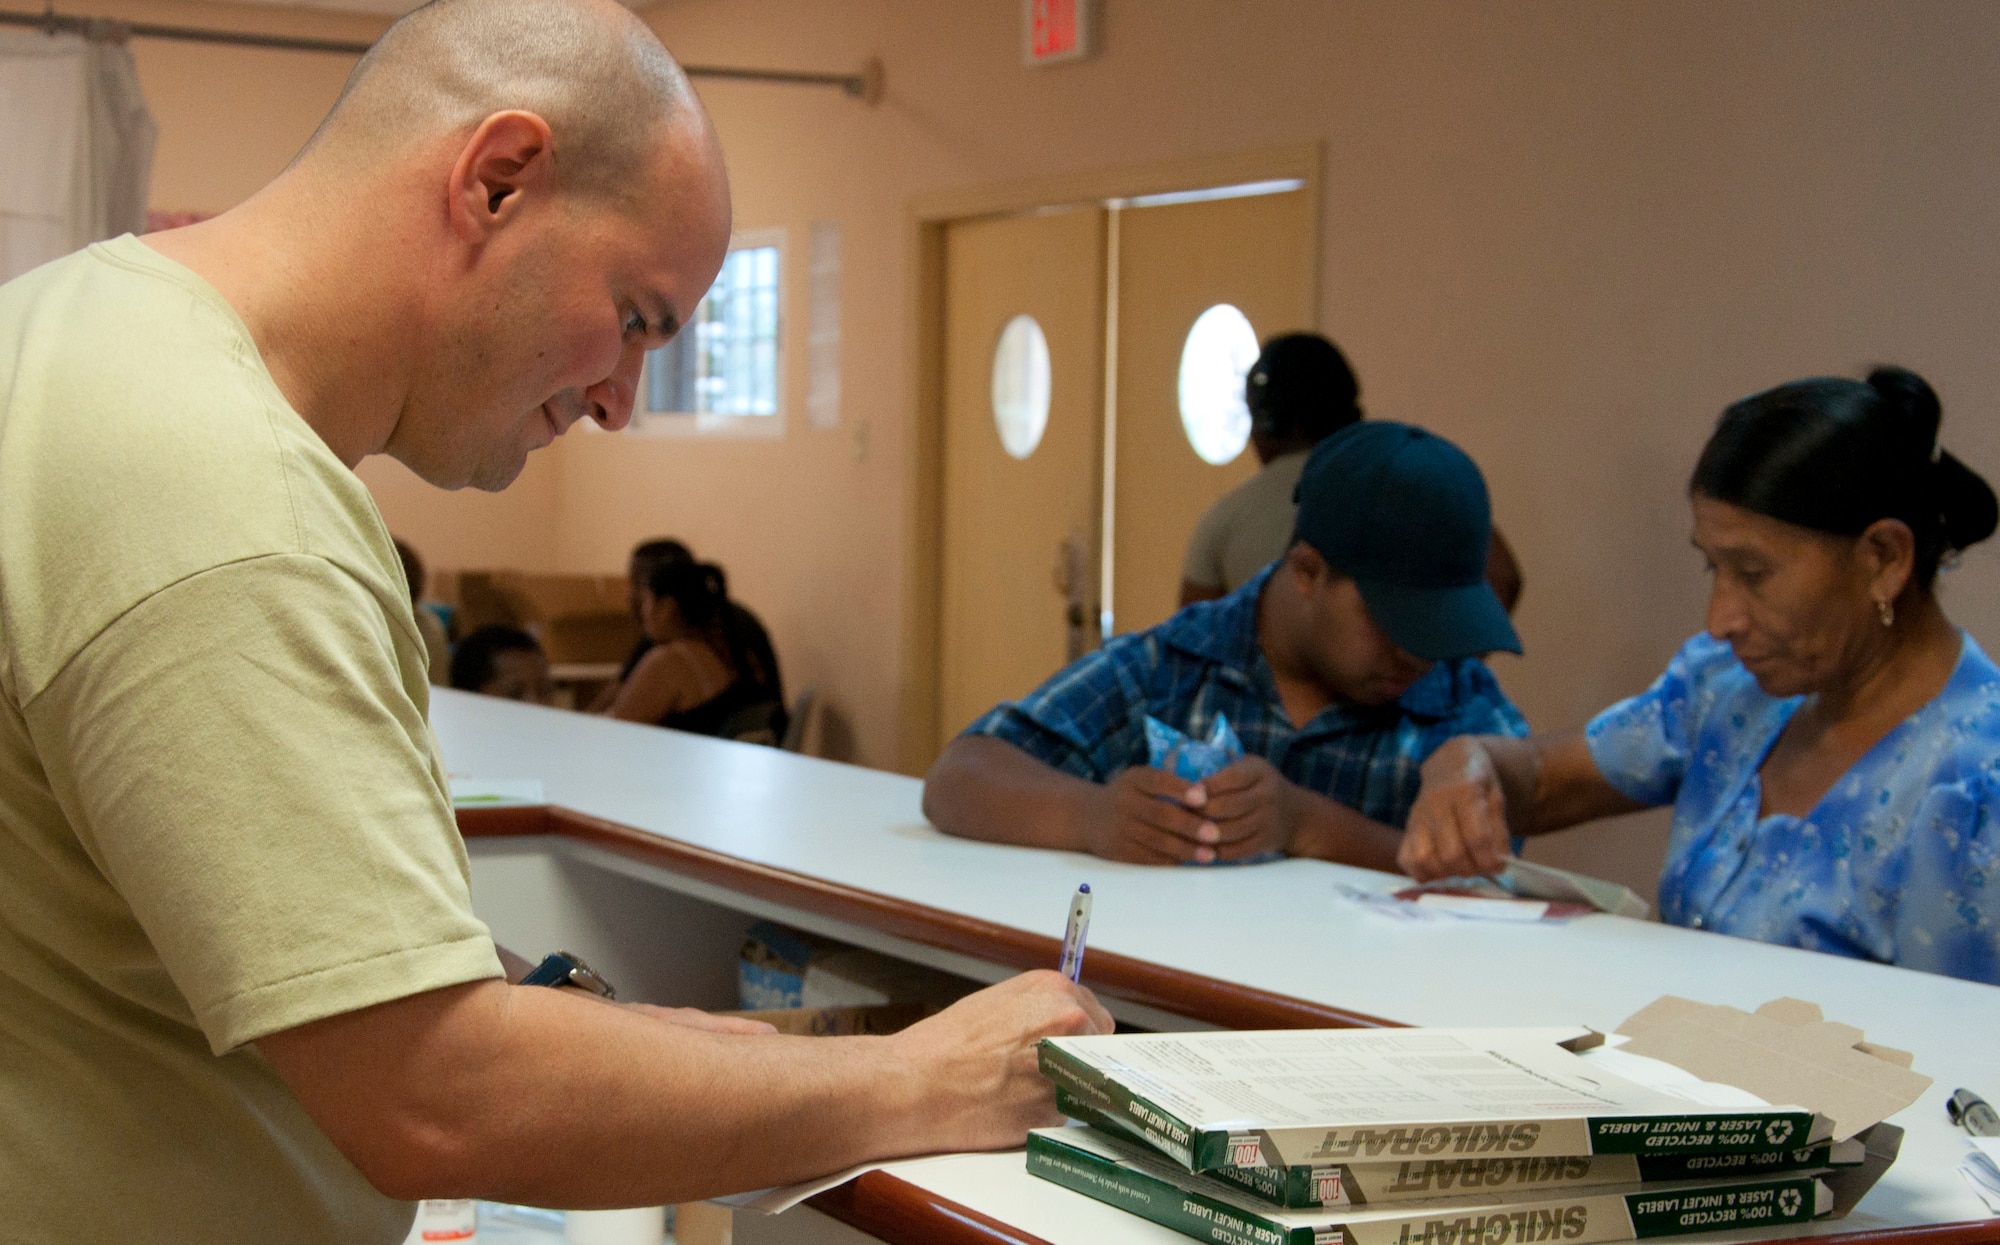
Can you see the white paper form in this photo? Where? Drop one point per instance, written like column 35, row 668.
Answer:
column 1304, row 1078
column 1981, row 1170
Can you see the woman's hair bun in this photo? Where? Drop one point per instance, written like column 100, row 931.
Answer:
column 1913, row 406
column 1965, row 503
column 1836, row 455
column 1967, row 510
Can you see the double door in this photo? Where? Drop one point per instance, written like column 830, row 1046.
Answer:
column 1093, row 364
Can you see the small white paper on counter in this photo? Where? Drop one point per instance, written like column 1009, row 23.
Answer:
column 1435, row 907
column 1981, row 1170
column 785, row 1196
column 1486, row 909
column 482, row 792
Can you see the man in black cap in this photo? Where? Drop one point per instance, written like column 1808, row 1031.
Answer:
column 1340, row 667
column 1300, row 391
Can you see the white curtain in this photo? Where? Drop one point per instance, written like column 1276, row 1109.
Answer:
column 78, row 146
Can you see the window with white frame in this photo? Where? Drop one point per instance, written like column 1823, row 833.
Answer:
column 721, row 371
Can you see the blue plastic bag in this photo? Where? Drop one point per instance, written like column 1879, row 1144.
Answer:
column 1191, row 759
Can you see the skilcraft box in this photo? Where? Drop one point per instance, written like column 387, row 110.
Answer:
column 1372, row 1184
column 1133, row 1179
column 1290, row 1098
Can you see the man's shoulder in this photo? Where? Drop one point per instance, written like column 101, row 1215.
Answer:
column 1222, row 631
column 1462, row 689
column 144, row 443
column 1122, row 658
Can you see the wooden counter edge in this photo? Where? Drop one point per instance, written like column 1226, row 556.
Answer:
column 1223, row 1003
column 892, row 1209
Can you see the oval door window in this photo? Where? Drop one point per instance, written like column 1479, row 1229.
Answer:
column 1021, row 386
column 1220, row 349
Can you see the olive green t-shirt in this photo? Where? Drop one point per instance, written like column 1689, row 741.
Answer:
column 221, row 808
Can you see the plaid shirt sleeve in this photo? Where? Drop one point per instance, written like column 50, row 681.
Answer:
column 1089, row 718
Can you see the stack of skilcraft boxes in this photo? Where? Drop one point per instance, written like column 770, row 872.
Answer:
column 1458, row 1136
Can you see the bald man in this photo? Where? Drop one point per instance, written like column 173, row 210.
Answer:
column 243, row 996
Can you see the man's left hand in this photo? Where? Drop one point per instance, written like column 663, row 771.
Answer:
column 1252, row 804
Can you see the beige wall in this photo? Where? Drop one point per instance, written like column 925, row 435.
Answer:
column 230, row 118
column 1563, row 233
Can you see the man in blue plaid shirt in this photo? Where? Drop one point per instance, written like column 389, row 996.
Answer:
column 1340, row 666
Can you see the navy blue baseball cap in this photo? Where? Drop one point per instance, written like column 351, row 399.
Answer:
column 1404, row 513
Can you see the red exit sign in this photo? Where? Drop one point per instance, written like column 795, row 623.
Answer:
column 1059, row 30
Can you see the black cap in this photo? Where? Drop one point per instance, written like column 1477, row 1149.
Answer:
column 1404, row 513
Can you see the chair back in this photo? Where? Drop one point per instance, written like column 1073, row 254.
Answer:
column 795, row 730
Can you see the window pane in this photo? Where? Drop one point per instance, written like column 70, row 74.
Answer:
column 725, row 362
column 1021, row 386
column 1219, row 351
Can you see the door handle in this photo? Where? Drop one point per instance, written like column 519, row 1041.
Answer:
column 1073, row 582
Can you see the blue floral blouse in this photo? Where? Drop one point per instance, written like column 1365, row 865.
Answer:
column 1898, row 862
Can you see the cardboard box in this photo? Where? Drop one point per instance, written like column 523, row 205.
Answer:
column 1369, row 1184
column 703, row 1223
column 1317, row 1096
column 1133, row 1178
column 783, row 968
column 1697, row 1082
column 1786, row 1051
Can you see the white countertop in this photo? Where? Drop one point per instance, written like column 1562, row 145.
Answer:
column 1280, row 927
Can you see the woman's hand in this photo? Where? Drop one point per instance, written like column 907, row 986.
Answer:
column 1458, row 826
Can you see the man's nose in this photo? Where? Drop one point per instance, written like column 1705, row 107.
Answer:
column 610, row 400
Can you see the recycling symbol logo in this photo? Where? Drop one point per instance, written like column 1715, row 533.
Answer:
column 1788, row 1202
column 1778, row 1132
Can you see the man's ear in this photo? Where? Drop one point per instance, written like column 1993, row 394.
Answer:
column 508, row 157
column 1307, row 564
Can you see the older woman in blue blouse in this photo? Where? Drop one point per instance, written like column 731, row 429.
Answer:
column 1831, row 744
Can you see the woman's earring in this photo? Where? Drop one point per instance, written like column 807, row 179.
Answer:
column 1887, row 611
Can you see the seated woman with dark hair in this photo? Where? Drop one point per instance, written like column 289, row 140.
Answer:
column 701, row 675
column 1829, row 744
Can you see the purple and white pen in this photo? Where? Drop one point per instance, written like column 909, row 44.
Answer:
column 1079, row 928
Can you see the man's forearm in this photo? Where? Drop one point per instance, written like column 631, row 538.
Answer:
column 547, row 1098
column 986, row 788
column 554, row 1098
column 1329, row 830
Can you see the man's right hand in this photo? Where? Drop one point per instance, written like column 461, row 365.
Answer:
column 1144, row 817
column 1458, row 826
column 978, row 1063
